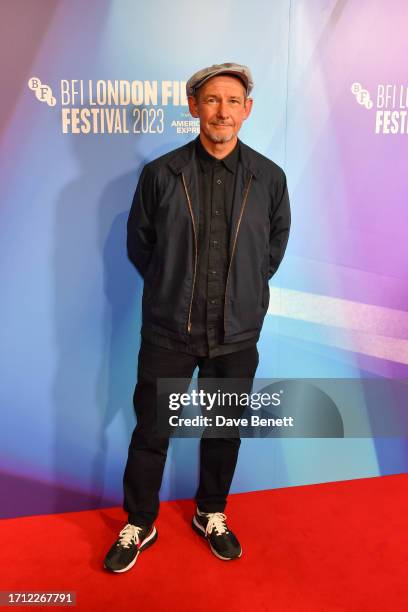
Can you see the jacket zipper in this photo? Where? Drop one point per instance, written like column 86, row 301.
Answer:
column 244, row 200
column 195, row 252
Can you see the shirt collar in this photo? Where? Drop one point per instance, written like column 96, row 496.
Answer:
column 208, row 161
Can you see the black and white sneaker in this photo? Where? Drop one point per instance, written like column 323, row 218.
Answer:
column 131, row 542
column 213, row 527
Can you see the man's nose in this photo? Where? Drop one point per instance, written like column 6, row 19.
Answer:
column 222, row 110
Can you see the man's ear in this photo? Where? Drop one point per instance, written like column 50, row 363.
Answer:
column 192, row 105
column 248, row 107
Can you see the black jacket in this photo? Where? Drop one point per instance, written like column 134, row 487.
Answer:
column 162, row 242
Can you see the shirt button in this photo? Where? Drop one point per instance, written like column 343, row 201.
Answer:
column 213, row 272
column 213, row 301
column 217, row 212
column 215, row 243
column 219, row 181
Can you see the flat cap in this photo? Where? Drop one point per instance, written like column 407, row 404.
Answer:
column 204, row 74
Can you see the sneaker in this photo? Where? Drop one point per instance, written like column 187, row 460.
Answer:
column 213, row 527
column 132, row 541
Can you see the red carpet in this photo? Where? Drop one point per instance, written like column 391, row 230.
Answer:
column 330, row 547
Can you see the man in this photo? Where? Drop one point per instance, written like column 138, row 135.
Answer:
column 208, row 228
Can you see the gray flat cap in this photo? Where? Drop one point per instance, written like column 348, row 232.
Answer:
column 204, row 74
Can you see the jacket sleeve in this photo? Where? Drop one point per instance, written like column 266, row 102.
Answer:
column 280, row 225
column 141, row 234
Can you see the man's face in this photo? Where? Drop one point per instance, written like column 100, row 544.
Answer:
column 221, row 106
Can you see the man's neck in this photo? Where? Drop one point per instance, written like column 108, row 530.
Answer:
column 218, row 149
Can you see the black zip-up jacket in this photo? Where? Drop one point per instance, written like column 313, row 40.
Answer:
column 162, row 242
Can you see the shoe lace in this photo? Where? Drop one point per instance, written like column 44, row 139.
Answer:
column 129, row 534
column 216, row 520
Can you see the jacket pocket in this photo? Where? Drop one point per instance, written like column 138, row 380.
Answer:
column 151, row 278
column 243, row 316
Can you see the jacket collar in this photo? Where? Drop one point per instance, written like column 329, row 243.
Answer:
column 185, row 156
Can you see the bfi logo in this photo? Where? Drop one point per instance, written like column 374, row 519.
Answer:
column 43, row 92
column 362, row 95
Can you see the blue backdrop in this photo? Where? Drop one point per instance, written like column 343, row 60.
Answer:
column 70, row 307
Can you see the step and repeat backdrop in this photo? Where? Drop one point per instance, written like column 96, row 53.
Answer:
column 90, row 93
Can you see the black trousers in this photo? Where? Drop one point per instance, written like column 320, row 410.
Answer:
column 147, row 451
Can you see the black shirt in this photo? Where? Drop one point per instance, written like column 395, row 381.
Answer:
column 216, row 185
